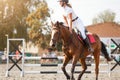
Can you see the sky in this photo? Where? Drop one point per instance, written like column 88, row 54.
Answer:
column 86, row 10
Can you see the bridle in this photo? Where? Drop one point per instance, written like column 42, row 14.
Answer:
column 57, row 28
column 58, row 37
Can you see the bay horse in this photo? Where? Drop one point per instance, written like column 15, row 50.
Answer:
column 74, row 49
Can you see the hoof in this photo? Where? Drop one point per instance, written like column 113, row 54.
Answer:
column 110, row 59
column 68, row 78
column 72, row 79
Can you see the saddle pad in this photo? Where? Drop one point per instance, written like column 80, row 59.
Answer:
column 91, row 38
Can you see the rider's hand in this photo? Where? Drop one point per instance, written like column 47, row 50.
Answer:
column 70, row 31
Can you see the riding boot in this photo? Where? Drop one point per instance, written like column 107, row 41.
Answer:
column 87, row 41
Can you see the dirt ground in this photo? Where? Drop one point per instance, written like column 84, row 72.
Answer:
column 15, row 73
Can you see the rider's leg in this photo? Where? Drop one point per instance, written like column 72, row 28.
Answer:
column 87, row 41
column 82, row 30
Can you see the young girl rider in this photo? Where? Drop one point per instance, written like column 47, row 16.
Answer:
column 73, row 21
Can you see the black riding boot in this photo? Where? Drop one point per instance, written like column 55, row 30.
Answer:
column 87, row 41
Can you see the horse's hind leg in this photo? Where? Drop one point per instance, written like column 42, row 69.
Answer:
column 65, row 62
column 96, row 57
column 84, row 66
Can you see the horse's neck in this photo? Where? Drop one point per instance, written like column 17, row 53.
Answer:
column 68, row 38
column 65, row 35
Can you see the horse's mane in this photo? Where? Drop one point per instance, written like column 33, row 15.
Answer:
column 61, row 23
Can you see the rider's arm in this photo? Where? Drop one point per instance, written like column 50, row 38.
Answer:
column 65, row 20
column 70, row 21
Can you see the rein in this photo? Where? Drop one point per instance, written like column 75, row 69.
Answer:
column 70, row 38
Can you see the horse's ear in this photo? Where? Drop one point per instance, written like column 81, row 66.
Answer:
column 52, row 23
column 57, row 23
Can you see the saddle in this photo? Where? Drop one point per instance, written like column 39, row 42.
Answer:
column 89, row 35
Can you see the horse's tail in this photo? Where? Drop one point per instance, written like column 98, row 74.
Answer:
column 104, row 51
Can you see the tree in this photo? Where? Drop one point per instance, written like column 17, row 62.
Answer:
column 106, row 16
column 37, row 21
column 13, row 14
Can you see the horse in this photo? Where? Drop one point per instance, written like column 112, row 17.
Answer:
column 74, row 49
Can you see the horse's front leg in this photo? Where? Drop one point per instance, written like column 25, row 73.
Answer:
column 74, row 61
column 84, row 66
column 65, row 62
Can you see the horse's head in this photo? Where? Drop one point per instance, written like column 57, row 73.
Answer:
column 56, row 34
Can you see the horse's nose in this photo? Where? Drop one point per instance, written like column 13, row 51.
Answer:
column 53, row 45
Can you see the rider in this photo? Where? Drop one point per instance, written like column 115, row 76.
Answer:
column 73, row 21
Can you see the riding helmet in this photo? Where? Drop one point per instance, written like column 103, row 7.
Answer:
column 66, row 1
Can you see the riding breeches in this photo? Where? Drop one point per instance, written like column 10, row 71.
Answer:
column 78, row 25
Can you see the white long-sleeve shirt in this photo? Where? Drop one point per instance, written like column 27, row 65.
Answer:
column 77, row 24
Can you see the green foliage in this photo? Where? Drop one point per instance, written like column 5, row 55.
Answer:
column 12, row 16
column 38, row 25
column 106, row 16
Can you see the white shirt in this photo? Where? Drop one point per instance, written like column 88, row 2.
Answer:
column 68, row 10
column 77, row 24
